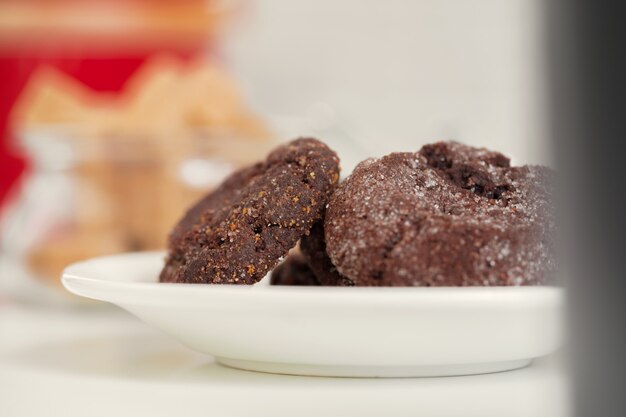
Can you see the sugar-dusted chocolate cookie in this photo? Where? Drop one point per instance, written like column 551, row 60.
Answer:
column 294, row 270
column 240, row 232
column 448, row 215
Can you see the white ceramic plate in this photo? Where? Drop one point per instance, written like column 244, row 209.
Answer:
column 333, row 331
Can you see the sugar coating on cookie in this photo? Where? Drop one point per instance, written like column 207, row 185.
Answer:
column 448, row 215
column 237, row 234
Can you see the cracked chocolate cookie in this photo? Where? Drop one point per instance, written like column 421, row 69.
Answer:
column 448, row 215
column 240, row 232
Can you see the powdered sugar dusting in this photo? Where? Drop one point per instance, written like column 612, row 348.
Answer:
column 447, row 215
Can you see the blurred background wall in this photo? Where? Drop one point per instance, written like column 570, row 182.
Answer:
column 398, row 73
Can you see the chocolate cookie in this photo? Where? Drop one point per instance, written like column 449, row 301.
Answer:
column 448, row 215
column 313, row 248
column 222, row 195
column 294, row 270
column 238, row 233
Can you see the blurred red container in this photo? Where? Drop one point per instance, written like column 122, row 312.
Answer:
column 99, row 43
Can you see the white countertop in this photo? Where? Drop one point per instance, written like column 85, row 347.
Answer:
column 103, row 362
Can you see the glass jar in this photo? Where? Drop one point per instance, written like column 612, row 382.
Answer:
column 100, row 44
column 122, row 115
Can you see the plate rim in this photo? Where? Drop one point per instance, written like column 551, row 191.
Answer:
column 134, row 292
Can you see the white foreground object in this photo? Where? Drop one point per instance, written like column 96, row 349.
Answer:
column 334, row 331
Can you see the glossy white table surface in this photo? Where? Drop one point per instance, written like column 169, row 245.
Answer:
column 103, row 362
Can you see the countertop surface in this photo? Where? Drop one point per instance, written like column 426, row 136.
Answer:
column 100, row 361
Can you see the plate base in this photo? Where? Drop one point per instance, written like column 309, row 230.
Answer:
column 374, row 371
